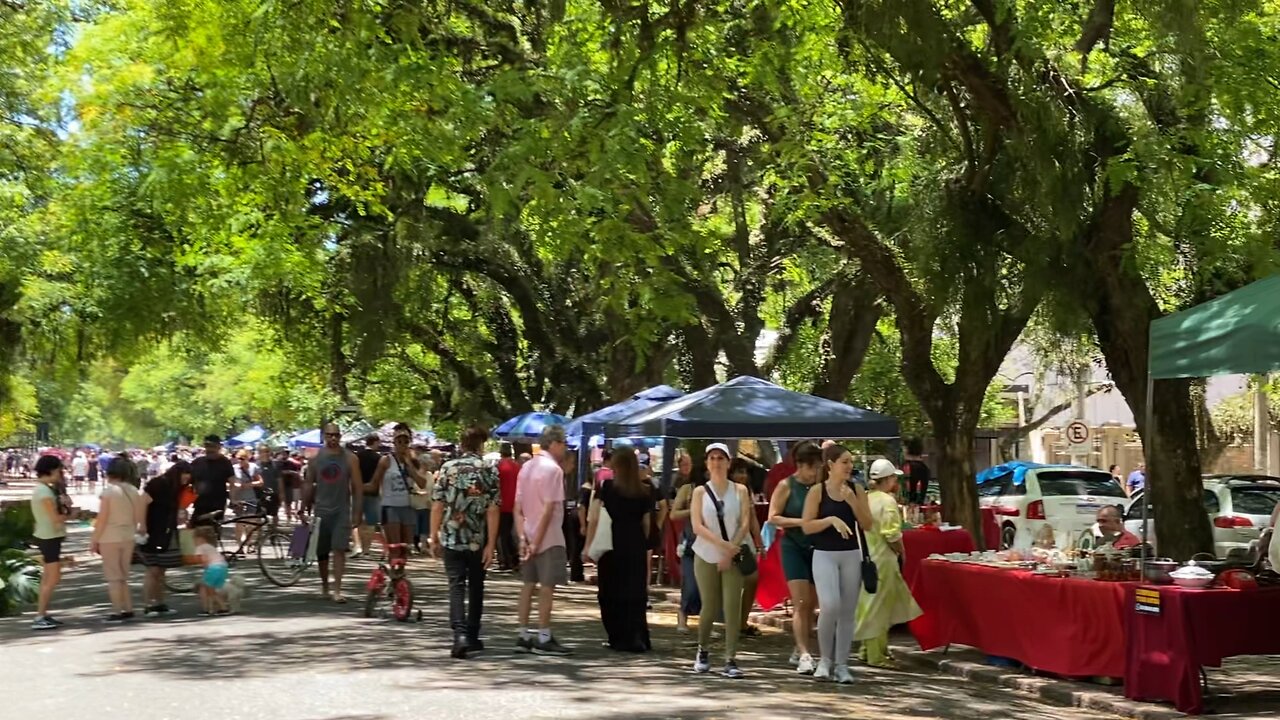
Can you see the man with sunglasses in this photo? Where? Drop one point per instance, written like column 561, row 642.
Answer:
column 334, row 488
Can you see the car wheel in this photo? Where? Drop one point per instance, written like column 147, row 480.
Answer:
column 1007, row 535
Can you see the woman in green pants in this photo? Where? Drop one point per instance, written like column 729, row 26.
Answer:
column 721, row 522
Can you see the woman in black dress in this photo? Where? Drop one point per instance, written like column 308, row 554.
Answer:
column 162, row 550
column 622, row 575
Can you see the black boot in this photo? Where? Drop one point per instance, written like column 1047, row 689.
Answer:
column 460, row 647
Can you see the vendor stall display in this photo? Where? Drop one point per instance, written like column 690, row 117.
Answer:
column 1173, row 632
column 1069, row 626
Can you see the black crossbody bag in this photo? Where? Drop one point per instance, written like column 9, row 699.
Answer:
column 870, row 576
column 745, row 559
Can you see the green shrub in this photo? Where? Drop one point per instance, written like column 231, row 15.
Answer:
column 17, row 523
column 19, row 580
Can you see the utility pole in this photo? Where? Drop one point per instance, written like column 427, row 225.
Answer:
column 1081, row 452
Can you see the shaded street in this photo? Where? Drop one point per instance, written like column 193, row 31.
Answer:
column 292, row 655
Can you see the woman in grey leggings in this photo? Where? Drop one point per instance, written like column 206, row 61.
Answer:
column 831, row 510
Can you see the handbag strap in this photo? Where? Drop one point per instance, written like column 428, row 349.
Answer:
column 404, row 479
column 862, row 539
column 724, row 531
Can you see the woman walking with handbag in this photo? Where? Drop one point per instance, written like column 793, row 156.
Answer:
column 892, row 603
column 627, row 501
column 721, row 523
column 119, row 515
column 835, row 514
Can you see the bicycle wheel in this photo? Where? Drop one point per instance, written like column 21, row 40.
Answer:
column 275, row 560
column 402, row 599
column 183, row 578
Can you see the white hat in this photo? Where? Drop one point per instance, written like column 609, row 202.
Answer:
column 718, row 446
column 882, row 469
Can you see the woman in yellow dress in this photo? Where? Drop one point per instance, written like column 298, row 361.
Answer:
column 892, row 603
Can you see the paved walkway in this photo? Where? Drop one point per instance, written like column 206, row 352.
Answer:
column 292, row 655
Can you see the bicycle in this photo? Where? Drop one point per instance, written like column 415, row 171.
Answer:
column 265, row 538
column 390, row 581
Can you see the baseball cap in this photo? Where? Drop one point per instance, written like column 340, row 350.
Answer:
column 212, row 440
column 882, row 469
column 718, row 446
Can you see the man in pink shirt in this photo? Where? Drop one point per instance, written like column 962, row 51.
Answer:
column 539, row 517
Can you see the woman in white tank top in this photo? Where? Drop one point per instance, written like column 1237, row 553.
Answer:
column 391, row 480
column 715, row 548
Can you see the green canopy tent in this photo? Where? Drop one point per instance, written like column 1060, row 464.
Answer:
column 1236, row 333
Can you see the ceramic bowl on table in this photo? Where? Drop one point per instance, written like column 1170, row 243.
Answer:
column 1193, row 582
column 1157, row 571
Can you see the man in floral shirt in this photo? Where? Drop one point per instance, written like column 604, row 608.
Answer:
column 464, row 528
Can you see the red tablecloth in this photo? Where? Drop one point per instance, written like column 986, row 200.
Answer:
column 1195, row 628
column 671, row 567
column 1067, row 626
column 920, row 543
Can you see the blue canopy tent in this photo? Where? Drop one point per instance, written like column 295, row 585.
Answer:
column 527, row 427
column 593, row 423
column 750, row 408
column 248, row 437
column 1018, row 468
column 309, row 439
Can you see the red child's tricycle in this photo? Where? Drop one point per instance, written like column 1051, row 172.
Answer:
column 390, row 582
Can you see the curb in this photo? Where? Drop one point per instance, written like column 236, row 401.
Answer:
column 1065, row 693
column 1057, row 692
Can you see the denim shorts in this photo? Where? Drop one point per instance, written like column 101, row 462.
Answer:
column 399, row 515
column 371, row 509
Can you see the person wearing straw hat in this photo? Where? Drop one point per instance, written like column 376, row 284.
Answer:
column 892, row 603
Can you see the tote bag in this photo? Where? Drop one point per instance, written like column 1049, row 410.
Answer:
column 603, row 540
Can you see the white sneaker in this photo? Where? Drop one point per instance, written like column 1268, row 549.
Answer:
column 702, row 663
column 806, row 665
column 823, row 672
column 795, row 657
column 843, row 676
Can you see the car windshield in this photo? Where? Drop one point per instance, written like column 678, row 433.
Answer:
column 1254, row 499
column 1078, row 482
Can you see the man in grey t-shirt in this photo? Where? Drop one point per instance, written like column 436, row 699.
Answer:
column 333, row 486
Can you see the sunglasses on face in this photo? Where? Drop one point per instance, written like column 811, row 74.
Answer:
column 333, row 434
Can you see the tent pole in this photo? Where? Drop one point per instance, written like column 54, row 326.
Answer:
column 1148, row 447
column 584, row 457
column 669, row 447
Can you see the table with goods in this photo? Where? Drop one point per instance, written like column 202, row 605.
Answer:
column 1098, row 613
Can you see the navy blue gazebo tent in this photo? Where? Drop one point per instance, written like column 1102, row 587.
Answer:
column 750, row 408
column 584, row 427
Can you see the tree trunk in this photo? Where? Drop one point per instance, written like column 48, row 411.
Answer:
column 1121, row 308
column 855, row 310
column 953, row 448
column 338, row 365
column 698, row 357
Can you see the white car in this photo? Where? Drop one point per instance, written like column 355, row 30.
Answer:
column 1239, row 508
column 1065, row 497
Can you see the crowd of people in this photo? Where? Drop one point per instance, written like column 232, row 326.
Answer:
column 841, row 543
